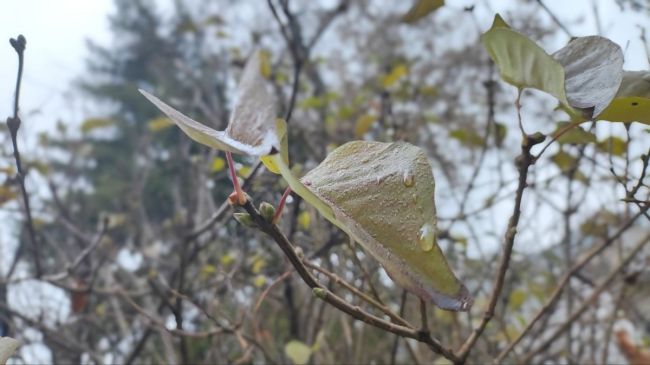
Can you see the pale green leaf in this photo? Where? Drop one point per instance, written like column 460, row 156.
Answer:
column 382, row 195
column 522, row 62
column 252, row 127
column 298, row 352
column 8, row 347
column 420, row 9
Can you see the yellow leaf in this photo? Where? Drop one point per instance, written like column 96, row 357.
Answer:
column 218, row 164
column 7, row 194
column 298, row 352
column 159, row 124
column 517, row 299
column 281, row 127
column 259, row 281
column 244, row 171
column 265, row 64
column 227, row 259
column 628, row 109
column 207, row 270
column 420, row 9
column 9, row 170
column 95, row 123
column 394, row 75
column 363, row 124
column 304, row 219
column 258, row 264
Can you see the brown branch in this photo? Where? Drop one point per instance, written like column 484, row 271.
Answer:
column 565, row 280
column 323, row 293
column 365, row 297
column 523, row 161
column 14, row 124
column 589, row 301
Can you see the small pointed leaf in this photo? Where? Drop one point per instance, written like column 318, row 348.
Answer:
column 593, row 71
column 382, row 195
column 420, row 9
column 252, row 128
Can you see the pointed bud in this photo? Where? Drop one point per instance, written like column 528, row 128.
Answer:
column 267, row 211
column 299, row 252
column 245, row 219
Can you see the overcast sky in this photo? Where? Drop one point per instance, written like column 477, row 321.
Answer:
column 57, row 31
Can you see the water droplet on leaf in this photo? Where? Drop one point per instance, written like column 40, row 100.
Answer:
column 408, row 179
column 426, row 237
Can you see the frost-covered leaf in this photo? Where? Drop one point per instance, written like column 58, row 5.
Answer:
column 632, row 101
column 382, row 195
column 8, row 347
column 593, row 72
column 522, row 62
column 420, row 9
column 252, row 128
column 298, row 352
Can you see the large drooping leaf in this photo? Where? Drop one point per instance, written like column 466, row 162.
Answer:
column 522, row 62
column 420, row 9
column 8, row 347
column 632, row 101
column 382, row 195
column 252, row 129
column 593, row 69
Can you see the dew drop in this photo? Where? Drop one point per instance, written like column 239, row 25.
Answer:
column 408, row 178
column 426, row 237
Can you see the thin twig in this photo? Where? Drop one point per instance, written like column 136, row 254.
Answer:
column 564, row 281
column 523, row 161
column 14, row 124
column 588, row 302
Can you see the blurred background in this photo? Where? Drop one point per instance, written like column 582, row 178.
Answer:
column 142, row 260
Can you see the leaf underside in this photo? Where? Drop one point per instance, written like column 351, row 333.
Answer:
column 364, row 185
column 593, row 72
column 584, row 76
column 252, row 129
